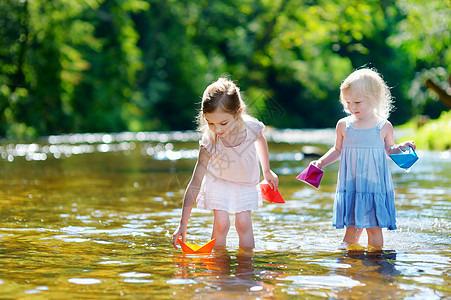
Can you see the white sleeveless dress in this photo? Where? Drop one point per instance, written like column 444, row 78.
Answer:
column 233, row 173
column 365, row 195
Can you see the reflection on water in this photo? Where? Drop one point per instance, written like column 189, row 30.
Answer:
column 91, row 216
column 156, row 144
column 224, row 274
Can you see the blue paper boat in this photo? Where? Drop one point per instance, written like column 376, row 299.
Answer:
column 405, row 159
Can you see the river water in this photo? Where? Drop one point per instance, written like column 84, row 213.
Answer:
column 91, row 216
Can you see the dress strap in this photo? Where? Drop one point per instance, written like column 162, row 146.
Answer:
column 380, row 123
column 349, row 121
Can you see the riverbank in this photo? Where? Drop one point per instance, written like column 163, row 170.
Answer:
column 430, row 135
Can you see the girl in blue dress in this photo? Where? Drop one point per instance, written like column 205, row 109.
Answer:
column 365, row 196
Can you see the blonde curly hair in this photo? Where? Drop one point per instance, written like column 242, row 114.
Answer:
column 368, row 83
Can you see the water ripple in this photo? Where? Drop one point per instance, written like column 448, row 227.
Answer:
column 84, row 280
column 323, row 281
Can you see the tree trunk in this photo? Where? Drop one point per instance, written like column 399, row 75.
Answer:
column 443, row 95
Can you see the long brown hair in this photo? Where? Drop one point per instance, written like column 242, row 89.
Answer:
column 223, row 95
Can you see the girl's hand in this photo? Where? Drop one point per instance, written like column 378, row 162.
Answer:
column 271, row 179
column 317, row 164
column 179, row 232
column 406, row 145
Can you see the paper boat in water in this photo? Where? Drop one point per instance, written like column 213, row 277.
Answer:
column 405, row 159
column 269, row 194
column 195, row 248
column 311, row 175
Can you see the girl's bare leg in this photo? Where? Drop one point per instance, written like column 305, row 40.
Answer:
column 243, row 224
column 375, row 237
column 352, row 235
column 221, row 227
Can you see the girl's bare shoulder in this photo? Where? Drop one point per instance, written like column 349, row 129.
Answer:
column 342, row 121
column 341, row 124
column 387, row 127
column 387, row 131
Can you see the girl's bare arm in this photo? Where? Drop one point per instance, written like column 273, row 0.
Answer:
column 191, row 194
column 334, row 153
column 390, row 146
column 263, row 153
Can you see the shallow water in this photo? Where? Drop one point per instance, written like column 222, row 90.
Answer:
column 91, row 216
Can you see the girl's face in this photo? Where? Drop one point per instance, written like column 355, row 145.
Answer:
column 221, row 123
column 358, row 106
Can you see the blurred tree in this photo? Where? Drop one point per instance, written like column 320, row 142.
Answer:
column 41, row 64
column 172, row 81
column 424, row 35
column 107, row 98
column 112, row 65
column 14, row 34
column 286, row 54
column 68, row 66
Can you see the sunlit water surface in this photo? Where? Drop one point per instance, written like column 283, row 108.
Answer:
column 91, row 216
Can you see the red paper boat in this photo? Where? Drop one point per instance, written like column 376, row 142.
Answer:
column 311, row 175
column 195, row 248
column 269, row 194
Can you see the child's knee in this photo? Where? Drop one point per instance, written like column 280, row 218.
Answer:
column 243, row 224
column 222, row 225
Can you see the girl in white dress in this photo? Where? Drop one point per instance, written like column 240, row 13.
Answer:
column 227, row 173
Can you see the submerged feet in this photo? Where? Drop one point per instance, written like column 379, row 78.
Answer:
column 350, row 246
column 358, row 247
column 355, row 247
column 372, row 248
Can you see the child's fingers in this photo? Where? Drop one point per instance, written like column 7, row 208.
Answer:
column 174, row 240
column 274, row 184
column 406, row 145
column 316, row 164
column 271, row 185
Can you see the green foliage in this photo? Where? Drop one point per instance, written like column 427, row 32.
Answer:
column 424, row 33
column 112, row 65
column 424, row 36
column 106, row 99
column 435, row 134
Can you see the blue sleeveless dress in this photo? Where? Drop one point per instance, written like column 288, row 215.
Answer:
column 365, row 196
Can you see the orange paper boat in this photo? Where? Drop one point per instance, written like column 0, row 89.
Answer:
column 195, row 248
